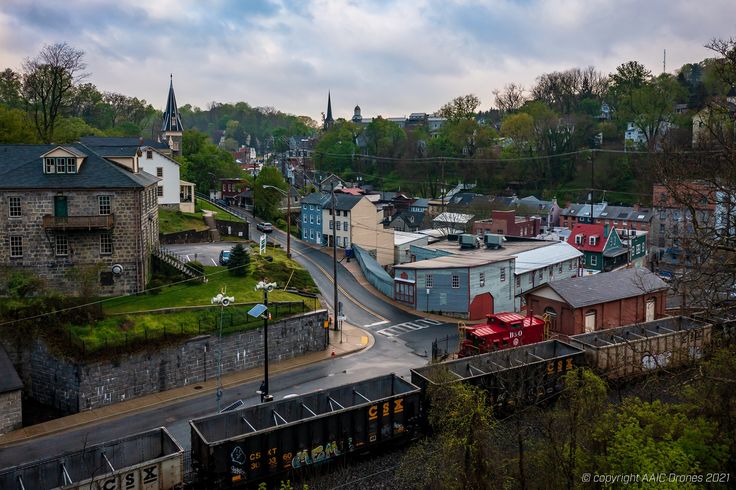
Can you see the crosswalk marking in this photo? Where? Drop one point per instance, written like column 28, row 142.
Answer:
column 406, row 327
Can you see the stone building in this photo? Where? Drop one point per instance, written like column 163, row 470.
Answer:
column 11, row 413
column 66, row 210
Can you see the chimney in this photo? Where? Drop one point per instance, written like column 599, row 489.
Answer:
column 605, row 232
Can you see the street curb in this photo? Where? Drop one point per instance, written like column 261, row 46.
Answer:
column 164, row 403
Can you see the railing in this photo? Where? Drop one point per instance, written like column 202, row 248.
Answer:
column 177, row 261
column 234, row 319
column 79, row 222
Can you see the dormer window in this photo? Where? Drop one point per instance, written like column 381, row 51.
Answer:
column 578, row 239
column 593, row 240
column 60, row 165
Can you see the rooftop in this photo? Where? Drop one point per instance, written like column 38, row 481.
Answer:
column 606, row 287
column 403, row 237
column 510, row 247
column 454, row 261
column 530, row 260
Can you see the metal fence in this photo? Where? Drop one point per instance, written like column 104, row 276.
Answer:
column 374, row 273
column 235, row 318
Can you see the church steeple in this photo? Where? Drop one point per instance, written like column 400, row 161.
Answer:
column 172, row 129
column 329, row 121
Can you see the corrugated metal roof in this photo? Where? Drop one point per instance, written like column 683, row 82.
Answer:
column 454, row 261
column 545, row 256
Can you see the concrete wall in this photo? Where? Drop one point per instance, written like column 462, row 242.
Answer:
column 74, row 387
column 11, row 414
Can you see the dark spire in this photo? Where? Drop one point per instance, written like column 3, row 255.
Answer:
column 172, row 121
column 328, row 119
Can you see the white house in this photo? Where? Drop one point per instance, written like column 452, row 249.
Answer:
column 172, row 191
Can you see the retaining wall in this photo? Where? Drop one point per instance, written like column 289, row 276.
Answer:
column 73, row 387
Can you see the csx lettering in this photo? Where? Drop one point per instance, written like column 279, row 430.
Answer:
column 398, row 405
column 109, row 484
column 272, row 460
column 254, row 456
column 149, row 474
column 559, row 365
column 130, row 481
column 550, row 367
column 373, row 413
column 569, row 363
column 255, row 466
column 386, row 409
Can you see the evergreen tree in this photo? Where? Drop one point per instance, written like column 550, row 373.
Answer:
column 238, row 263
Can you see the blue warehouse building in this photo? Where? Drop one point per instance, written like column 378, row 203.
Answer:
column 311, row 217
column 467, row 286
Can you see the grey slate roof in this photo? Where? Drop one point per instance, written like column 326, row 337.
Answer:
column 21, row 168
column 606, row 286
column 120, row 141
column 317, row 198
column 9, row 380
column 171, row 123
column 346, row 202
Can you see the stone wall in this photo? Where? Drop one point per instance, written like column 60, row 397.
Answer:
column 72, row 388
column 134, row 235
column 11, row 415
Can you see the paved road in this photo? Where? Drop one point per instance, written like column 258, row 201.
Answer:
column 402, row 341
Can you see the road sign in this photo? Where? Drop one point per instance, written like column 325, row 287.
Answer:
column 262, row 244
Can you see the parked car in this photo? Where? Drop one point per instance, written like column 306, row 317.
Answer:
column 224, row 257
column 265, row 227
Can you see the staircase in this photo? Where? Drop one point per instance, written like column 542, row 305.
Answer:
column 175, row 261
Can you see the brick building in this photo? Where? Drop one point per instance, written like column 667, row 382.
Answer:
column 507, row 223
column 600, row 301
column 66, row 209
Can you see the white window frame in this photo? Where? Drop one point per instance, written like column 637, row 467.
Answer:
column 71, row 165
column 104, row 205
column 160, row 172
column 304, row 218
column 61, row 245
column 160, row 191
column 428, row 281
column 149, row 154
column 502, row 273
column 49, row 166
column 319, row 218
column 337, row 223
column 344, row 226
column 16, row 246
column 311, row 219
column 304, row 234
column 106, row 245
column 593, row 260
column 14, row 207
column 482, row 278
column 311, row 234
column 455, row 281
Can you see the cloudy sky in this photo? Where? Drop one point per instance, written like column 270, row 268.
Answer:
column 392, row 57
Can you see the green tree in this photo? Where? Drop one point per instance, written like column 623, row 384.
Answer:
column 336, row 149
column 238, row 264
column 70, row 129
column 520, row 128
column 267, row 200
column 459, row 453
column 462, row 107
column 566, row 433
column 384, row 138
column 637, row 437
column 203, row 163
column 16, row 126
column 10, row 89
column 48, row 81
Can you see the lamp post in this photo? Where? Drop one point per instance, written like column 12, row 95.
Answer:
column 334, row 254
column 266, row 287
column 222, row 300
column 288, row 215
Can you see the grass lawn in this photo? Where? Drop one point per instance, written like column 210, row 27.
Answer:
column 173, row 221
column 221, row 215
column 121, row 330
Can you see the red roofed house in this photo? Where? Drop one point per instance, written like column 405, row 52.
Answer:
column 601, row 246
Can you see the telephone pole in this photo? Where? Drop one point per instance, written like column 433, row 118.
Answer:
column 334, row 256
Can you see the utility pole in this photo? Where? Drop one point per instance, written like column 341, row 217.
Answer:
column 266, row 287
column 334, row 255
column 592, row 186
column 288, row 221
column 222, row 300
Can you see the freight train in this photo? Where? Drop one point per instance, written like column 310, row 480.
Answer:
column 291, row 437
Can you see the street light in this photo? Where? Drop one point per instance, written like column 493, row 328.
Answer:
column 223, row 301
column 288, row 216
column 266, row 287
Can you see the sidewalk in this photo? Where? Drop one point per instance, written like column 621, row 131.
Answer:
column 354, row 339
